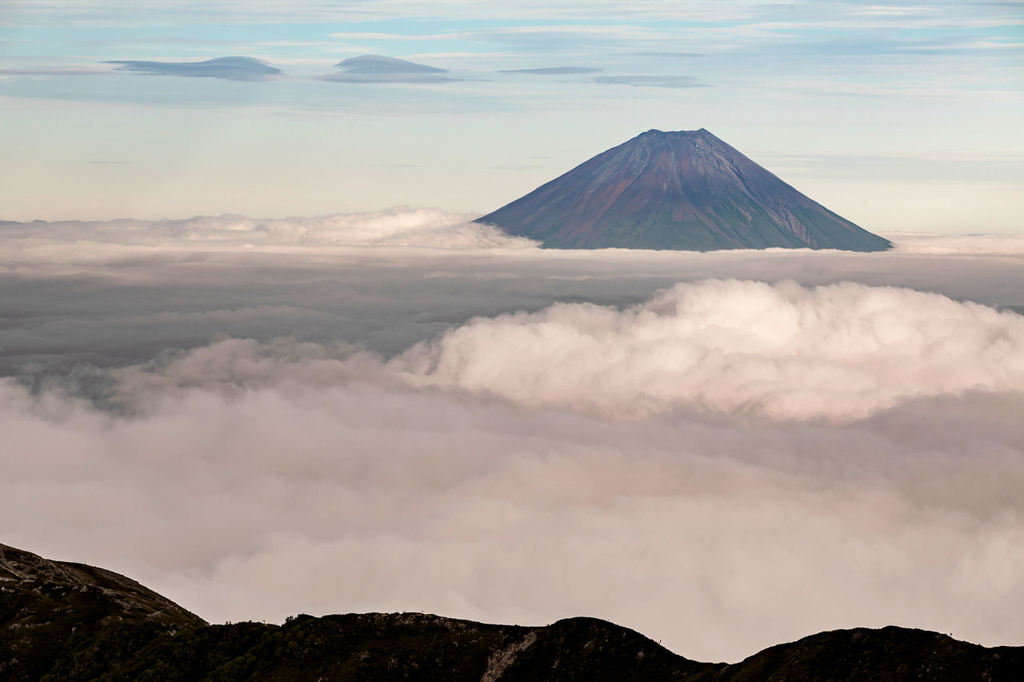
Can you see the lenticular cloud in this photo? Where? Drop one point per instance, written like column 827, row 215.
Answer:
column 782, row 351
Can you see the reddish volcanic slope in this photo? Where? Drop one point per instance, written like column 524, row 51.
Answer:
column 683, row 190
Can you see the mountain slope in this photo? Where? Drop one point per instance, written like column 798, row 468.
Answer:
column 52, row 610
column 683, row 190
column 62, row 621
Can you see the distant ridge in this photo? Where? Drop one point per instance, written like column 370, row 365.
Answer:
column 685, row 190
column 65, row 621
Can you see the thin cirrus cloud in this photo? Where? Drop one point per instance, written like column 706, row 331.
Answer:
column 670, row 54
column 553, row 70
column 43, row 71
column 372, row 68
column 226, row 68
column 653, row 81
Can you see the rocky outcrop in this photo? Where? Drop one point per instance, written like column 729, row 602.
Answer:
column 65, row 621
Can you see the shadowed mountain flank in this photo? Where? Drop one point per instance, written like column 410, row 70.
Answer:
column 685, row 190
column 65, row 621
column 53, row 613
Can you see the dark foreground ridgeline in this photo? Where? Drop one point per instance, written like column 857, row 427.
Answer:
column 684, row 190
column 65, row 621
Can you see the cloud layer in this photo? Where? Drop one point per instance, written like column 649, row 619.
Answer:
column 322, row 478
column 429, row 228
column 118, row 292
column 262, row 417
column 346, row 492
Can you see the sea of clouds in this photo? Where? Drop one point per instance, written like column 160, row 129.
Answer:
column 406, row 411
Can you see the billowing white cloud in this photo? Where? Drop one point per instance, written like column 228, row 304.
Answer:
column 231, row 367
column 842, row 351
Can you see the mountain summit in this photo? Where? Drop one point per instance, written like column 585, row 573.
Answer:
column 684, row 190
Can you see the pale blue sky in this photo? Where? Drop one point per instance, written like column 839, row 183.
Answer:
column 900, row 116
